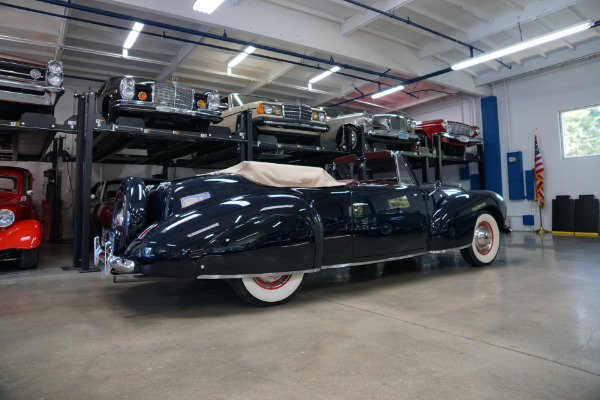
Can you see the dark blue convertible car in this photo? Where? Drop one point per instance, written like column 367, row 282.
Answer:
column 264, row 226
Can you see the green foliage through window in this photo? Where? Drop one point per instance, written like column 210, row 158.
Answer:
column 580, row 130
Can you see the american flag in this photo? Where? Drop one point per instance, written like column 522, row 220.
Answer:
column 539, row 177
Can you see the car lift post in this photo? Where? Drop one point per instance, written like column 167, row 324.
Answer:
column 83, row 178
column 246, row 124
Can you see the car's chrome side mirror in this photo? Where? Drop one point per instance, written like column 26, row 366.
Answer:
column 29, row 192
column 436, row 187
column 93, row 196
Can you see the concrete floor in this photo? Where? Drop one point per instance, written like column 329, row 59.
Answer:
column 527, row 327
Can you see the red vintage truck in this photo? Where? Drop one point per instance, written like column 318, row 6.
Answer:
column 20, row 229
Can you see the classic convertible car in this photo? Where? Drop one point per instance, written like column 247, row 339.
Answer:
column 264, row 226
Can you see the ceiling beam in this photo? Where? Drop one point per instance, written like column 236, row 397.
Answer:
column 530, row 13
column 365, row 17
column 561, row 56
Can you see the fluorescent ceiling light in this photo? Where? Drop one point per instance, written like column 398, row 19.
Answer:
column 522, row 46
column 207, row 6
column 324, row 74
column 241, row 56
column 133, row 35
column 387, row 91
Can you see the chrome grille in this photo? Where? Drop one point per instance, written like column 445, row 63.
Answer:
column 398, row 123
column 172, row 95
column 460, row 129
column 19, row 71
column 295, row 111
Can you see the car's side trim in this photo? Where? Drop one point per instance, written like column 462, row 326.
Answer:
column 330, row 266
column 307, row 271
column 392, row 258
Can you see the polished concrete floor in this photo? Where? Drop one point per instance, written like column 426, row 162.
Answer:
column 527, row 327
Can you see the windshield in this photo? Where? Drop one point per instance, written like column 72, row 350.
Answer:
column 238, row 99
column 375, row 168
column 338, row 112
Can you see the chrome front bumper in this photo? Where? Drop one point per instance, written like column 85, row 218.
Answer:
column 287, row 123
column 461, row 138
column 145, row 107
column 28, row 92
column 396, row 135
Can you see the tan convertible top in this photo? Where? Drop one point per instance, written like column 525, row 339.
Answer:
column 282, row 175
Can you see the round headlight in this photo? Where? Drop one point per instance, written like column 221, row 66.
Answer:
column 213, row 100
column 268, row 108
column 445, row 124
column 413, row 124
column 7, row 217
column 55, row 67
column 54, row 80
column 127, row 88
column 322, row 117
column 369, row 119
column 35, row 74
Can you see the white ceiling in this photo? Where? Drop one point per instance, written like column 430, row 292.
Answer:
column 310, row 34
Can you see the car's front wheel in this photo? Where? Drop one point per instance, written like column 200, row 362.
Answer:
column 29, row 258
column 268, row 290
column 486, row 241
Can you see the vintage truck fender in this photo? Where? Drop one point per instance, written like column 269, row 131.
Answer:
column 21, row 235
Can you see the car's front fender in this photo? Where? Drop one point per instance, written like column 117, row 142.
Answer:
column 21, row 235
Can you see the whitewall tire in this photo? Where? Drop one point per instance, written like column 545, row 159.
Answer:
column 486, row 241
column 268, row 290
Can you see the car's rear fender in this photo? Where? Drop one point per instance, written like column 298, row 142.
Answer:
column 253, row 234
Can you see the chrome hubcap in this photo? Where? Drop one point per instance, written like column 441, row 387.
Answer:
column 484, row 238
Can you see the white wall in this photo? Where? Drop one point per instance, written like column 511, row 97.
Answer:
column 534, row 102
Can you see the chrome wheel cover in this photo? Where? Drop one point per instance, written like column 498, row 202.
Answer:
column 483, row 238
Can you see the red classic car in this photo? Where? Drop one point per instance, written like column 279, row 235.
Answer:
column 103, row 202
column 455, row 136
column 20, row 229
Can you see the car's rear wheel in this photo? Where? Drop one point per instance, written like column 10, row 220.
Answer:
column 268, row 290
column 29, row 258
column 486, row 241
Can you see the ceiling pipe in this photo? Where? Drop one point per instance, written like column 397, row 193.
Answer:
column 409, row 22
column 124, row 17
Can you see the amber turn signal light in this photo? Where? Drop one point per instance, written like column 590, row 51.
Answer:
column 142, row 96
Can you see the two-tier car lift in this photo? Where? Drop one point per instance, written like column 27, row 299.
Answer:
column 98, row 142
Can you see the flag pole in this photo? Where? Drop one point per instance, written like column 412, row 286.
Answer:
column 541, row 231
column 539, row 196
